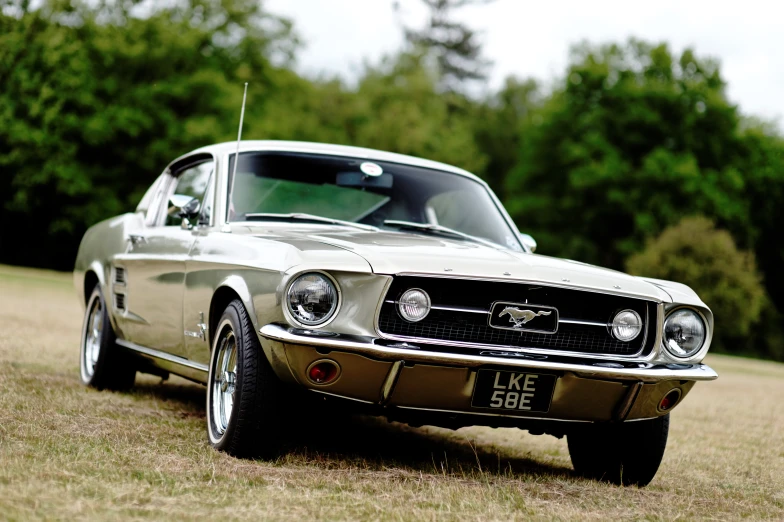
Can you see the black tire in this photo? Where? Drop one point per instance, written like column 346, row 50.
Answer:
column 254, row 427
column 626, row 454
column 102, row 365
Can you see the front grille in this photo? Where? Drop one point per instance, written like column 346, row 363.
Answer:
column 473, row 327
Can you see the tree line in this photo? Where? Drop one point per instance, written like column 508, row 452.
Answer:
column 635, row 159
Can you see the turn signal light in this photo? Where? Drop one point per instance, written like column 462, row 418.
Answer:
column 323, row 372
column 670, row 400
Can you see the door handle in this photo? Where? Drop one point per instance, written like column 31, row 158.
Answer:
column 136, row 239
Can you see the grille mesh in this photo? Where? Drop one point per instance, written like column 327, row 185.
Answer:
column 473, row 327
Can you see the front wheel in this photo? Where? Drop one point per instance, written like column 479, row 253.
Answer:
column 626, row 454
column 244, row 414
column 102, row 365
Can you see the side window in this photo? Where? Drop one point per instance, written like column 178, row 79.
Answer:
column 192, row 182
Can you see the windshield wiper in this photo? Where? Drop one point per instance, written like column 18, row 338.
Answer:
column 437, row 229
column 306, row 218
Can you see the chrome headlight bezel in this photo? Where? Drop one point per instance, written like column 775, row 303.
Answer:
column 293, row 317
column 707, row 334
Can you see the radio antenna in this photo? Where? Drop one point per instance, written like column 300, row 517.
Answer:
column 237, row 155
column 239, row 135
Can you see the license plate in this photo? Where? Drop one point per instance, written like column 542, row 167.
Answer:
column 513, row 391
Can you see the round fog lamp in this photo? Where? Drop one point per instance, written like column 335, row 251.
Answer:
column 414, row 305
column 626, row 325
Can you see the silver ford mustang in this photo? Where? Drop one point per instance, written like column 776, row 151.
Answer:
column 387, row 284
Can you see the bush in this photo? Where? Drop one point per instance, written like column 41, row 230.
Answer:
column 694, row 252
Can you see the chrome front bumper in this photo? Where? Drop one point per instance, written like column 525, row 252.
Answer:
column 426, row 379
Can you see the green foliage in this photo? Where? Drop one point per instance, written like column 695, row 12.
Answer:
column 697, row 254
column 763, row 172
column 453, row 46
column 96, row 102
column 635, row 139
column 498, row 125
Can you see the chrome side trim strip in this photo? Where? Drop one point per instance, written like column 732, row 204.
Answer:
column 172, row 363
column 366, row 346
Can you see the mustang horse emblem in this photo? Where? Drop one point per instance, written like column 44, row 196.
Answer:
column 520, row 317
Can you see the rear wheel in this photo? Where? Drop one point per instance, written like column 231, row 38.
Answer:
column 244, row 414
column 102, row 364
column 628, row 453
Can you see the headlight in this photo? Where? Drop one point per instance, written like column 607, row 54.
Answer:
column 626, row 325
column 312, row 299
column 414, row 305
column 684, row 333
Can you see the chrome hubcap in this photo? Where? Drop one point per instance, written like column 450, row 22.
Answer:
column 224, row 381
column 227, row 382
column 92, row 337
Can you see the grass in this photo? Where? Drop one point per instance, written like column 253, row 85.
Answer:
column 68, row 452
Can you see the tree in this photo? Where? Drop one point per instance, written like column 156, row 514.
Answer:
column 635, row 139
column 454, row 46
column 98, row 99
column 498, row 124
column 763, row 170
column 697, row 254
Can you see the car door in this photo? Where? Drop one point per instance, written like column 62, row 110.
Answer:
column 155, row 262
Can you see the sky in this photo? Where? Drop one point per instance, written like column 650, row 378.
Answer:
column 532, row 38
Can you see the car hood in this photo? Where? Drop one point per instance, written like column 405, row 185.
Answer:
column 389, row 252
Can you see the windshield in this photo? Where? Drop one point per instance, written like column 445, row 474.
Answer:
column 365, row 192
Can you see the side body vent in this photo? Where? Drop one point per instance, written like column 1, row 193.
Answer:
column 119, row 302
column 119, row 275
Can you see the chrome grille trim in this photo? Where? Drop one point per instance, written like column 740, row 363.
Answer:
column 652, row 351
column 584, row 323
column 449, row 308
column 482, row 311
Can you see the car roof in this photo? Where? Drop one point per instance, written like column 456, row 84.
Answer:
column 306, row 147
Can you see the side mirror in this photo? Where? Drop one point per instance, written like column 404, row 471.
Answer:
column 528, row 241
column 183, row 206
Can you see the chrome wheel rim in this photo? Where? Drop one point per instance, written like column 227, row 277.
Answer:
column 224, row 381
column 93, row 332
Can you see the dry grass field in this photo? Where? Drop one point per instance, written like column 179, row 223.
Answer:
column 68, row 452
